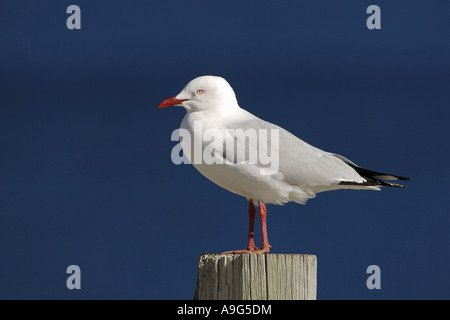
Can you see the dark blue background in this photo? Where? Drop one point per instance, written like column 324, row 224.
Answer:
column 85, row 170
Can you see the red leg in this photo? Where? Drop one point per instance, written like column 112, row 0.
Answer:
column 251, row 226
column 251, row 248
column 262, row 214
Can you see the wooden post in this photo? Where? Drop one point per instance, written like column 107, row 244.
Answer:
column 256, row 277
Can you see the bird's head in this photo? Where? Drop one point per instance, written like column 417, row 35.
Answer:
column 203, row 93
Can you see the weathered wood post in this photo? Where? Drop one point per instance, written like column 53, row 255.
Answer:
column 256, row 277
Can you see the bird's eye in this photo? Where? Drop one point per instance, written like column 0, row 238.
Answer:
column 199, row 92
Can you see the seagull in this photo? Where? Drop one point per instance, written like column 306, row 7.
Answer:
column 300, row 171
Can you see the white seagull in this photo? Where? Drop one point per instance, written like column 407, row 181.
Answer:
column 302, row 170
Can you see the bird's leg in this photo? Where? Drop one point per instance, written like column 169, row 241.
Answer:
column 251, row 248
column 251, row 231
column 251, row 224
column 265, row 241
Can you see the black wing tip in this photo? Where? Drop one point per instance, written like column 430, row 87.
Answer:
column 373, row 183
column 373, row 178
column 401, row 178
column 396, row 185
column 383, row 180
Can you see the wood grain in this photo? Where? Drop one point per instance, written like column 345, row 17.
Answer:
column 256, row 277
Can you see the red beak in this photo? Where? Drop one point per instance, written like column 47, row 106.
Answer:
column 171, row 102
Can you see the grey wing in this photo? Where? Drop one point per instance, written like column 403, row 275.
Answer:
column 297, row 162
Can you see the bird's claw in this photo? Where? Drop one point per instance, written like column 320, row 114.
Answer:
column 249, row 250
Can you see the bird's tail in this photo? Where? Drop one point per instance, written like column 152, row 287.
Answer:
column 373, row 178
